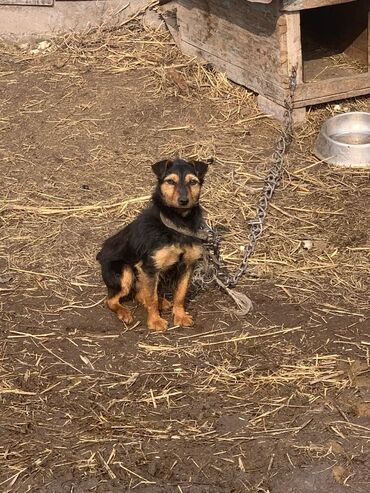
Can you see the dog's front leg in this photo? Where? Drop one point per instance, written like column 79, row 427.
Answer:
column 149, row 296
column 180, row 317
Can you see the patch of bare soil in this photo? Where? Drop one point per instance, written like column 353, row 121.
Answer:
column 275, row 402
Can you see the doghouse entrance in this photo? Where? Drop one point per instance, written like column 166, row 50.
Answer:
column 335, row 41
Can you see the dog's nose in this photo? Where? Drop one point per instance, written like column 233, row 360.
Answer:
column 183, row 201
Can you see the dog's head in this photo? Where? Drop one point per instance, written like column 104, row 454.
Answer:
column 180, row 182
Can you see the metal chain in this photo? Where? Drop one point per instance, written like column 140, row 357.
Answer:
column 222, row 276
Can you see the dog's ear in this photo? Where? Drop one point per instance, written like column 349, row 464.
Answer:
column 160, row 168
column 201, row 168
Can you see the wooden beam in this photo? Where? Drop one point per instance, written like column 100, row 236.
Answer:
column 293, row 5
column 293, row 44
column 28, row 3
column 332, row 89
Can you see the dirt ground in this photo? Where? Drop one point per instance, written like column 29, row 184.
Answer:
column 277, row 401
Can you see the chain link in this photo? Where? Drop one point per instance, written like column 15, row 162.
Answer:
column 220, row 273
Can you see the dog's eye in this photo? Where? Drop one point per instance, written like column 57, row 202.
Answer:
column 170, row 182
column 193, row 182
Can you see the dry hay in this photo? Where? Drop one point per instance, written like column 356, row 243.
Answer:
column 94, row 417
column 336, row 266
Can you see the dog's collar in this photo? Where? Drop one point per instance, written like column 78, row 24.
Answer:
column 201, row 234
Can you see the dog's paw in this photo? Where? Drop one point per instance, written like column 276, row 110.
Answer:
column 157, row 324
column 183, row 319
column 125, row 315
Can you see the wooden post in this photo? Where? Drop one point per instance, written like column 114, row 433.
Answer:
column 294, row 44
column 277, row 111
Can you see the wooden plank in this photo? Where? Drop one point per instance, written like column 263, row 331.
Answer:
column 29, row 3
column 332, row 90
column 290, row 44
column 164, row 2
column 306, row 93
column 238, row 37
column 241, row 75
column 291, row 5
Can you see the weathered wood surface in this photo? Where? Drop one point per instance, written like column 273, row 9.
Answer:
column 169, row 14
column 256, row 46
column 28, row 3
column 237, row 37
column 359, row 46
column 359, row 49
column 276, row 110
column 291, row 5
column 290, row 45
column 332, row 89
column 237, row 74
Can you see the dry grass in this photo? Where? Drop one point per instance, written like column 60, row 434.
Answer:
column 237, row 179
column 84, row 397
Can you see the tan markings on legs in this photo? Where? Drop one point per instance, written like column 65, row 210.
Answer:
column 123, row 313
column 180, row 317
column 166, row 257
column 163, row 303
column 148, row 296
column 139, row 297
column 191, row 254
column 138, row 286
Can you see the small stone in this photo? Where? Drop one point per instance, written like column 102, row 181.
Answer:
column 307, row 244
column 5, row 278
column 44, row 45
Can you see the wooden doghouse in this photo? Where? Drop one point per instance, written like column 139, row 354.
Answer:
column 256, row 43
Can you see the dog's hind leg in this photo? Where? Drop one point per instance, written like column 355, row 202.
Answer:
column 122, row 289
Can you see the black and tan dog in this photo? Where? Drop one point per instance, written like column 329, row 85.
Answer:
column 163, row 240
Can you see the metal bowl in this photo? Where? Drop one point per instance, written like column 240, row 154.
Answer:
column 344, row 140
